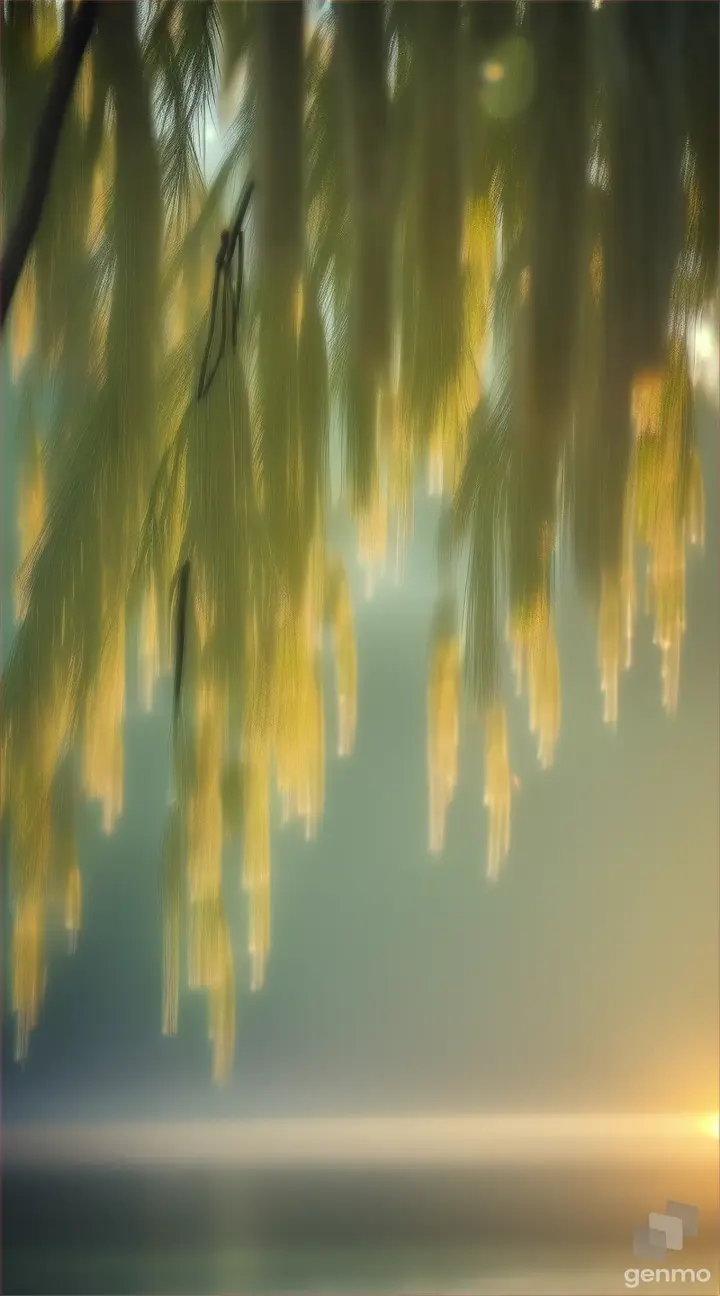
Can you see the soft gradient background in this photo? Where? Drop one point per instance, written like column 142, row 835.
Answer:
column 587, row 980
column 400, row 985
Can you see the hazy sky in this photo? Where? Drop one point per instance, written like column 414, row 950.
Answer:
column 585, row 980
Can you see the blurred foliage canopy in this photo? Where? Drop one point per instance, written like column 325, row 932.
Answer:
column 479, row 236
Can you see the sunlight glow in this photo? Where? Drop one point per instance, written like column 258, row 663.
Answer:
column 493, row 72
column 523, row 1139
column 710, row 1125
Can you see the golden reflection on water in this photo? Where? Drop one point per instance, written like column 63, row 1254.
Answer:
column 372, row 301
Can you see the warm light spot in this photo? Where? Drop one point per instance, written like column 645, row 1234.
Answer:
column 536, row 668
column 443, row 710
column 705, row 341
column 493, row 72
column 710, row 1125
column 646, row 401
column 508, row 79
column 498, row 794
column 23, row 319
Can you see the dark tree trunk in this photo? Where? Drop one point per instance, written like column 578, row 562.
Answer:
column 67, row 65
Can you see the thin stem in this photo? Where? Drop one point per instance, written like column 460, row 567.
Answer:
column 75, row 40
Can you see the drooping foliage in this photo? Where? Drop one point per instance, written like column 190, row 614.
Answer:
column 478, row 237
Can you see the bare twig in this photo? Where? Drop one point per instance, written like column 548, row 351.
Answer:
column 231, row 241
column 75, row 39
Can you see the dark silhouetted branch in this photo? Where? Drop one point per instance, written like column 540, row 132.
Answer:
column 27, row 220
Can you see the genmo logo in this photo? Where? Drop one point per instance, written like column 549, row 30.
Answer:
column 634, row 1277
column 666, row 1232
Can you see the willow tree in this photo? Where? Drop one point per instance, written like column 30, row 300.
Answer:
column 607, row 202
column 401, row 184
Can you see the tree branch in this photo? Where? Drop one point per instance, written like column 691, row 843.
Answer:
column 76, row 37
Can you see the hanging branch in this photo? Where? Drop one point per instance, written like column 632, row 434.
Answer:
column 75, row 39
column 230, row 242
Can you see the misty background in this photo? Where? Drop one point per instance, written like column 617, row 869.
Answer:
column 585, row 980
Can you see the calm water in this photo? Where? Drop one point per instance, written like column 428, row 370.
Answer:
column 515, row 1231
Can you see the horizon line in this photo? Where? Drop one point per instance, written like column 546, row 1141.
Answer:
column 379, row 1141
